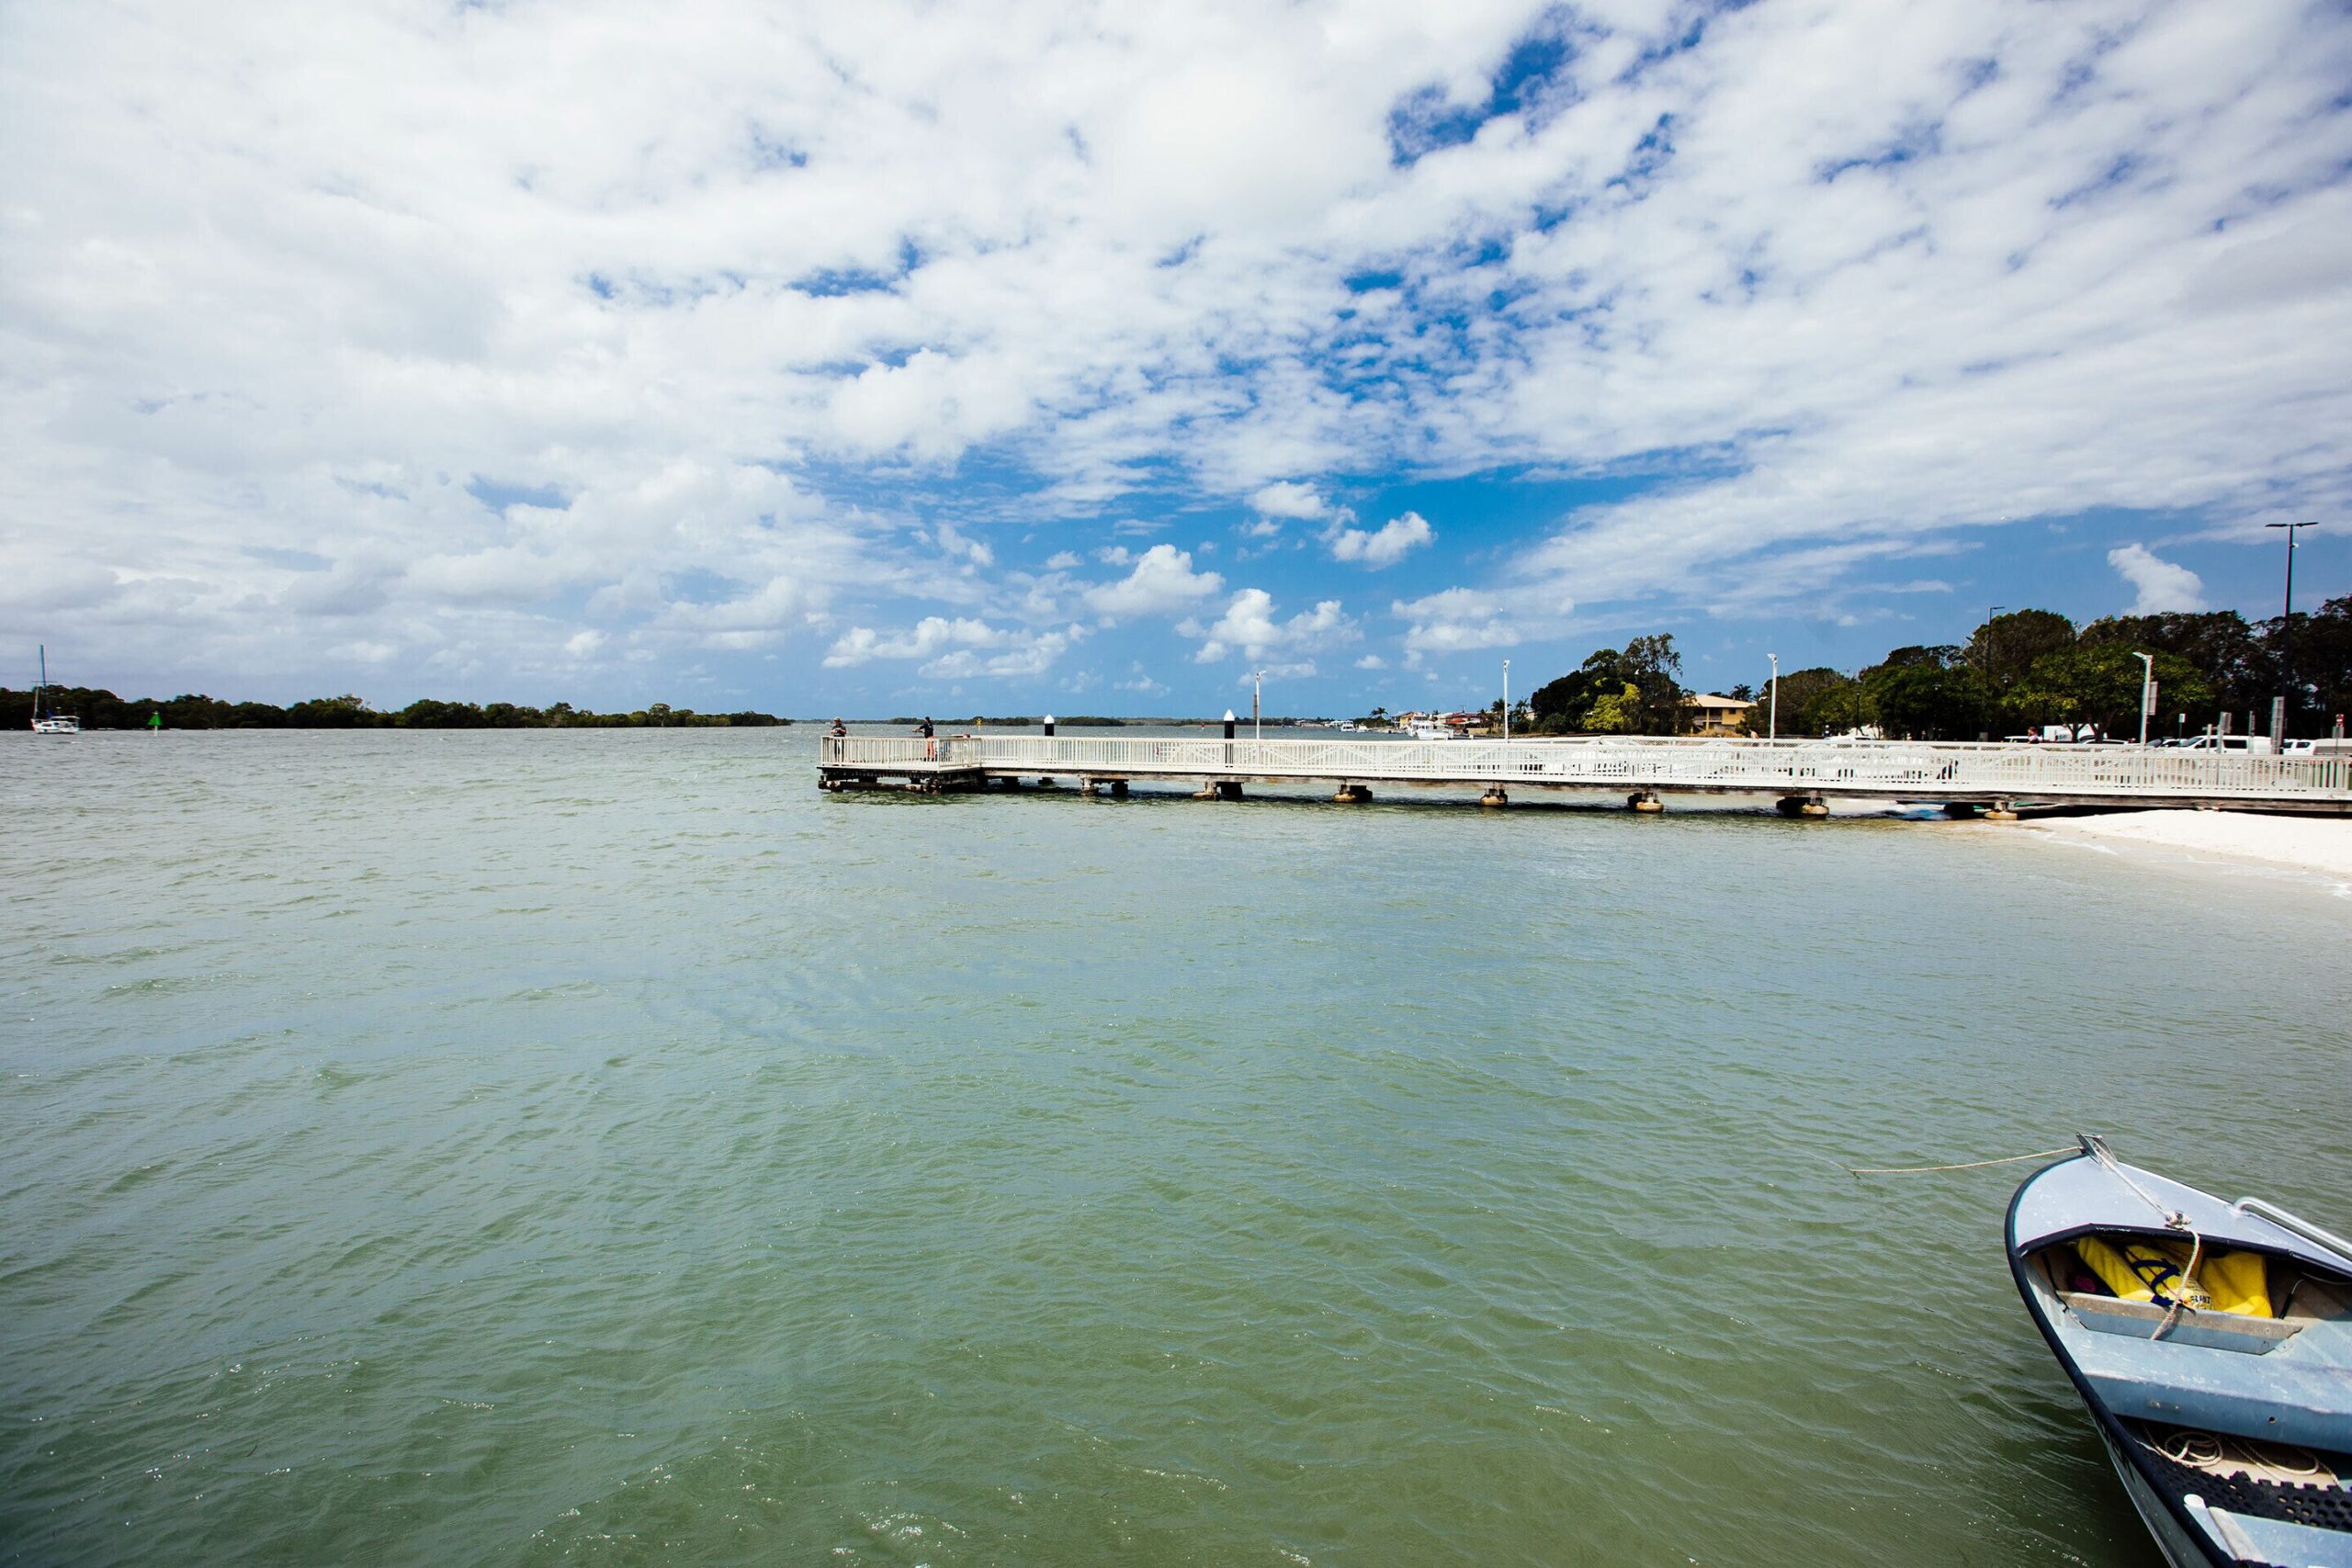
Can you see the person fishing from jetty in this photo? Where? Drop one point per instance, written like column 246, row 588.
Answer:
column 930, row 741
column 839, row 731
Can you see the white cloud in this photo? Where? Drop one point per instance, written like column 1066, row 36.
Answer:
column 1372, row 661
column 1032, row 653
column 583, row 645
column 959, row 649
column 1456, row 620
column 1163, row 583
column 1285, row 498
column 2160, row 585
column 1250, row 626
column 933, row 633
column 1386, row 546
column 750, row 619
column 954, row 543
column 1062, row 560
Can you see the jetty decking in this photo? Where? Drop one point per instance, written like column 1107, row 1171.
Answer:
column 1801, row 774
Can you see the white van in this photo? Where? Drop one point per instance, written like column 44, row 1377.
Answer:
column 2322, row 750
column 2252, row 745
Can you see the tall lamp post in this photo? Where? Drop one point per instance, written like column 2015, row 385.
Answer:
column 1257, row 691
column 2286, row 639
column 2147, row 691
column 1774, row 719
column 1506, row 699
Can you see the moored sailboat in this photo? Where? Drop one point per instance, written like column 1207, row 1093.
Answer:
column 51, row 722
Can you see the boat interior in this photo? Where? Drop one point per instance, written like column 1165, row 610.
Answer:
column 2233, row 1380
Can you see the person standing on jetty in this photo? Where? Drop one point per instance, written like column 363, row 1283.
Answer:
column 839, row 731
column 930, row 744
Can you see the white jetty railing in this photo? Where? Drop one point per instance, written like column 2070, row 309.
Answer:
column 895, row 753
column 1928, row 769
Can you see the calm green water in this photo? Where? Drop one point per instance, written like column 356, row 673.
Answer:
column 607, row 1148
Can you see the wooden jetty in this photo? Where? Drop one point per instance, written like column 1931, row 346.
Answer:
column 1801, row 775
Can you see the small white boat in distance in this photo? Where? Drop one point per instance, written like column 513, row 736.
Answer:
column 53, row 722
column 2211, row 1343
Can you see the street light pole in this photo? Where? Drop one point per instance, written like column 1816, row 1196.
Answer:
column 2147, row 691
column 1257, row 691
column 1774, row 721
column 2287, row 636
column 1506, row 699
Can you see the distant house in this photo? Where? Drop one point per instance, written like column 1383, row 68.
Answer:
column 1712, row 715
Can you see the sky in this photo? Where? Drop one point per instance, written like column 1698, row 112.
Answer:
column 1007, row 358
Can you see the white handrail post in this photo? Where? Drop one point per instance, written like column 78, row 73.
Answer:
column 2147, row 691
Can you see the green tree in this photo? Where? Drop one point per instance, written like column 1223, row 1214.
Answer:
column 2324, row 664
column 430, row 713
column 1616, row 713
column 1648, row 664
column 2004, row 648
column 1819, row 701
column 2099, row 683
column 1652, row 666
column 345, row 712
column 2234, row 659
column 1560, row 706
column 1927, row 694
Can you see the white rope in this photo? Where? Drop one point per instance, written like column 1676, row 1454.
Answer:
column 2241, row 1456
column 1972, row 1165
column 2174, row 1219
column 2187, row 1283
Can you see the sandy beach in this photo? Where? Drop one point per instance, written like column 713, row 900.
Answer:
column 2318, row 844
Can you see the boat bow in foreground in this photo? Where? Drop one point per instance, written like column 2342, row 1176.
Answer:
column 2213, row 1343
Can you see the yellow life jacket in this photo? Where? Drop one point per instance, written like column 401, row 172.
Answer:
column 2240, row 1282
column 2141, row 1271
column 2150, row 1272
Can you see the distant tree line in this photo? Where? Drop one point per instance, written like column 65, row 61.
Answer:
column 101, row 709
column 2024, row 668
column 1014, row 721
column 2033, row 667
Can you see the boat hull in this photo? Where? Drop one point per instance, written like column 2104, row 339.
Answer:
column 2181, row 1549
column 2175, row 1536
